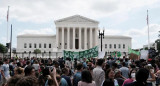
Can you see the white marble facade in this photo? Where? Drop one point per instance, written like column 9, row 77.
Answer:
column 75, row 33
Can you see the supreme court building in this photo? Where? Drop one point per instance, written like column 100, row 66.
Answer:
column 75, row 33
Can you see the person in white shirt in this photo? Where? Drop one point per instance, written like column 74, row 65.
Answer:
column 36, row 65
column 98, row 73
column 5, row 71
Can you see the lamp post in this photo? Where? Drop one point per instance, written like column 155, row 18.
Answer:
column 24, row 53
column 44, row 53
column 49, row 54
column 56, row 54
column 101, row 34
column 29, row 53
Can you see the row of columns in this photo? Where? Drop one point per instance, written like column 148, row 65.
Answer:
column 68, row 38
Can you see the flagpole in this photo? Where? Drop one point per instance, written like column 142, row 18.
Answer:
column 148, row 31
column 7, row 33
column 11, row 43
column 7, row 23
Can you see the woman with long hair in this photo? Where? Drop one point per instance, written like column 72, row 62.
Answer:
column 109, row 78
column 86, row 79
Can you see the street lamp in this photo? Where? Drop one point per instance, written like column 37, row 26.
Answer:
column 101, row 34
column 49, row 54
column 24, row 53
column 44, row 53
column 29, row 53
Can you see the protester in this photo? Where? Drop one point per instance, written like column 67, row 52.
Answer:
column 27, row 81
column 36, row 65
column 1, row 63
column 109, row 75
column 108, row 82
column 65, row 72
column 141, row 78
column 19, row 71
column 151, row 79
column 98, row 72
column 68, row 63
column 29, row 71
column 27, row 64
column 86, row 79
column 84, row 63
column 77, row 75
column 131, row 77
column 5, row 71
column 124, row 70
column 12, row 81
column 119, row 77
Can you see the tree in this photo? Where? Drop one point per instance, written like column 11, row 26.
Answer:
column 158, row 44
column 37, row 51
column 3, row 48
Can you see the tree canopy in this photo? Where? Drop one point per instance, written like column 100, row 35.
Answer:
column 37, row 51
column 158, row 44
column 3, row 48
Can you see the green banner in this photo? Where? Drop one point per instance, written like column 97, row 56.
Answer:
column 93, row 52
column 134, row 52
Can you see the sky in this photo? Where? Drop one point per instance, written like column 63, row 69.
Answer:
column 117, row 17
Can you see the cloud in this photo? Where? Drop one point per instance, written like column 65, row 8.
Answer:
column 139, row 35
column 154, row 28
column 135, row 32
column 139, row 32
column 3, row 40
column 40, row 31
column 40, row 11
column 112, row 32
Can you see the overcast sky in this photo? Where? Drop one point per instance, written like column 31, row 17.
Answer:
column 118, row 17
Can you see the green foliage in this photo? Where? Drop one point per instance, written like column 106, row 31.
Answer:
column 146, row 48
column 3, row 48
column 37, row 51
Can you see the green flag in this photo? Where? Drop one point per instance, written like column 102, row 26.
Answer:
column 118, row 54
column 134, row 52
column 113, row 54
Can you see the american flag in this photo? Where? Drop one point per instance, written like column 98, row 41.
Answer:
column 147, row 18
column 8, row 14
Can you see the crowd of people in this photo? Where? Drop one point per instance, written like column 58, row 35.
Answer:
column 79, row 72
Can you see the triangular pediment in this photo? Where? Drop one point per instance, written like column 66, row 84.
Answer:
column 76, row 18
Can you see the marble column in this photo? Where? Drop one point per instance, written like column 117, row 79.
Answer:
column 68, row 36
column 62, row 38
column 57, row 37
column 74, row 38
column 90, row 37
column 80, row 47
column 96, row 37
column 85, row 38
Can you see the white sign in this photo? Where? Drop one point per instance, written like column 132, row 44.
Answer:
column 101, row 54
column 144, row 54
